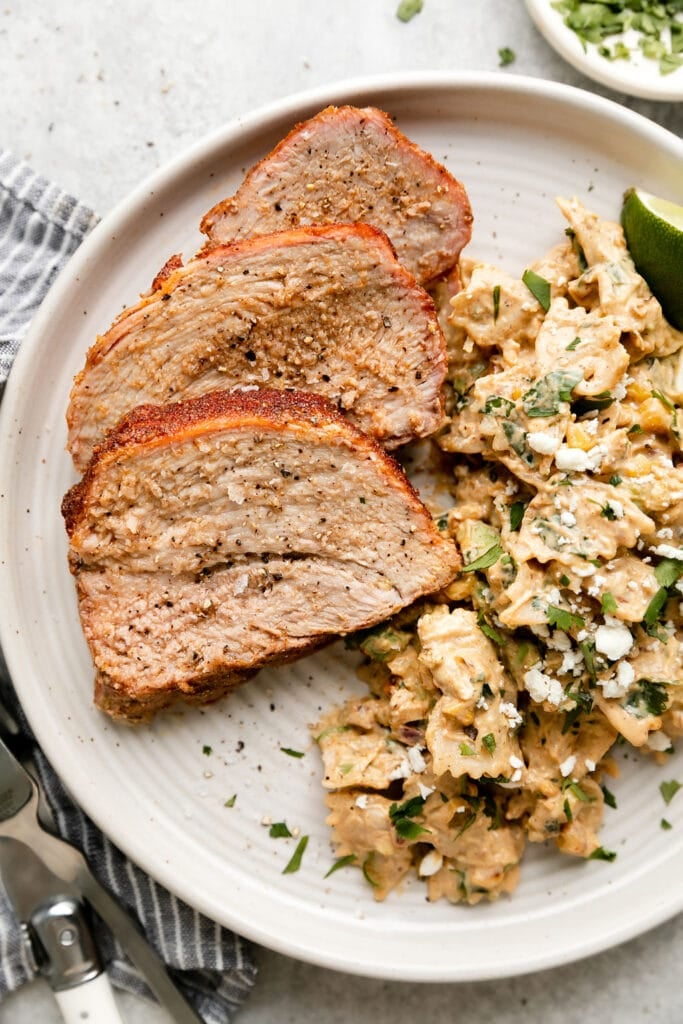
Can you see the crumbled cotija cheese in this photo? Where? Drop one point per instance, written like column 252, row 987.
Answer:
column 542, row 687
column 572, row 460
column 613, row 639
column 512, row 715
column 668, row 551
column 416, row 760
column 430, row 864
column 618, row 686
column 658, row 741
column 542, row 442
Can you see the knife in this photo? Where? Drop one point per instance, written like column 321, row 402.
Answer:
column 51, row 887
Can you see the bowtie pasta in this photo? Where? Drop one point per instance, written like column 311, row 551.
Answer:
column 492, row 707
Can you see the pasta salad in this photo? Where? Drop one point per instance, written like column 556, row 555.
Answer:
column 493, row 706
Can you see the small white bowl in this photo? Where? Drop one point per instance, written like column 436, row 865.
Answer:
column 639, row 76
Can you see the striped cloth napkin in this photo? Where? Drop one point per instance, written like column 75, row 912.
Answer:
column 40, row 227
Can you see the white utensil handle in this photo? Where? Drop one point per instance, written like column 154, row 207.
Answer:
column 92, row 1001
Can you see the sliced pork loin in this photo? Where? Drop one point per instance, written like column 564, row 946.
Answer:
column 327, row 309
column 213, row 536
column 348, row 164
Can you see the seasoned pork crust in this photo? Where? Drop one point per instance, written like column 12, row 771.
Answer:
column 213, row 536
column 350, row 164
column 327, row 309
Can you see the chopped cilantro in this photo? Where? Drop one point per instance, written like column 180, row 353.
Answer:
column 496, row 302
column 543, row 399
column 664, row 400
column 279, row 830
column 607, row 512
column 365, row 867
column 466, row 750
column 506, row 56
column 575, row 788
column 610, row 798
column 666, row 574
column 568, row 811
column 669, row 790
column 341, row 862
column 578, row 251
column 668, row 571
column 442, row 523
column 666, row 825
column 600, row 853
column 595, row 402
column 615, row 480
column 331, row 731
column 408, row 809
column 635, row 429
column 383, row 642
column 651, row 23
column 295, row 862
column 620, row 52
column 670, row 62
column 292, row 753
column 489, row 742
column 468, row 822
column 587, row 647
column 517, row 510
column 582, row 702
column 539, row 288
column 496, row 405
column 573, row 344
column 655, row 608
column 407, row 9
column 230, row 802
column 563, row 619
column 493, row 811
column 485, row 561
column 608, row 603
column 648, row 699
column 207, row 750
column 489, row 631
column 564, row 580
column 517, row 438
column 409, row 830
column 400, row 816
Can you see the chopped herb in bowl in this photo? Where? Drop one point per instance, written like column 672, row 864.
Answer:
column 621, row 28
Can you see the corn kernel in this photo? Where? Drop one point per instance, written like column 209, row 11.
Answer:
column 652, row 415
column 638, row 465
column 638, row 392
column 577, row 437
column 461, row 589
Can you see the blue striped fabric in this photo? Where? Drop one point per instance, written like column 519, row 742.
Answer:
column 40, row 227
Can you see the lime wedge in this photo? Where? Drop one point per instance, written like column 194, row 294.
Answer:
column 654, row 234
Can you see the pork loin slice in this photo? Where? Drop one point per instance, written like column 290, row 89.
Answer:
column 327, row 309
column 348, row 164
column 213, row 536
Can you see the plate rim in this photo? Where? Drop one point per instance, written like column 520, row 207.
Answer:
column 564, row 41
column 204, row 149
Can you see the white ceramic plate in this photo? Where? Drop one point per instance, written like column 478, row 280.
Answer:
column 516, row 144
column 638, row 76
